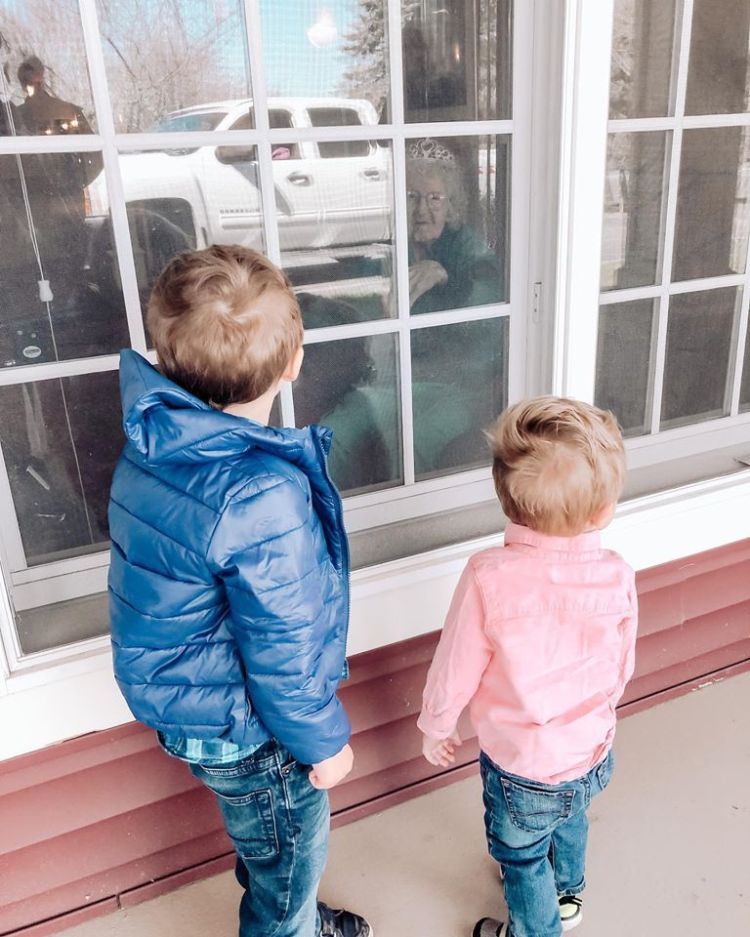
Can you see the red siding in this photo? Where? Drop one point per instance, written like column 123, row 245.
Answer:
column 108, row 820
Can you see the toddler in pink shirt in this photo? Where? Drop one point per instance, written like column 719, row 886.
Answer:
column 540, row 642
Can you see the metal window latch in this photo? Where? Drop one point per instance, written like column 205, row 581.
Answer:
column 536, row 304
column 743, row 459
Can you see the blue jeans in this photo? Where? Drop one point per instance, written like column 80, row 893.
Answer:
column 538, row 832
column 279, row 825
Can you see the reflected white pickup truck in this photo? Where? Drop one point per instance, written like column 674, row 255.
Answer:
column 334, row 193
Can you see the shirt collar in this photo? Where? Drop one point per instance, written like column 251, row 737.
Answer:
column 589, row 542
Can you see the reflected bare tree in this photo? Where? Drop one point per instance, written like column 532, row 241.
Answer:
column 171, row 54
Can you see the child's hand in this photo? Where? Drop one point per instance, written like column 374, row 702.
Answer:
column 328, row 773
column 440, row 752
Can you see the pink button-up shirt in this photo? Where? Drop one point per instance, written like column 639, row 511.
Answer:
column 540, row 640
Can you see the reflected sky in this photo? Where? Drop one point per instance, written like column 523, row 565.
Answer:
column 302, row 42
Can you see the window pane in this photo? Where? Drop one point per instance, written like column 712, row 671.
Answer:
column 699, row 333
column 352, row 386
column 175, row 66
column 713, row 210
column 745, row 387
column 457, row 59
column 719, row 65
column 52, row 231
column 60, row 454
column 459, row 386
column 45, row 86
column 179, row 200
column 337, row 51
column 634, row 200
column 643, row 58
column 335, row 220
column 625, row 348
column 458, row 211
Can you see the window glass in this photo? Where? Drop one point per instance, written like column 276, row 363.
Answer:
column 713, row 209
column 457, row 59
column 336, row 225
column 458, row 210
column 180, row 200
column 459, row 386
column 719, row 65
column 352, row 387
column 44, row 80
column 195, row 122
column 644, row 64
column 332, row 52
column 61, row 295
column 697, row 369
column 745, row 387
column 634, row 201
column 166, row 61
column 60, row 452
column 624, row 361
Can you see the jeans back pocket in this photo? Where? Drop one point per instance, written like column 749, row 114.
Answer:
column 535, row 810
column 250, row 823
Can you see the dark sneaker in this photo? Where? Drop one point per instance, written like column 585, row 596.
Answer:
column 571, row 911
column 489, row 927
column 342, row 923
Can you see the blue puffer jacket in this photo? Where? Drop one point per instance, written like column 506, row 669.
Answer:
column 228, row 587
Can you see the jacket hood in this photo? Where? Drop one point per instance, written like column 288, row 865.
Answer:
column 166, row 424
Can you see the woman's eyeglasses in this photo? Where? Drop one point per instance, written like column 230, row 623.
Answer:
column 433, row 199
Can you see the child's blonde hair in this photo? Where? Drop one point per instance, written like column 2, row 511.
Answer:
column 210, row 335
column 557, row 463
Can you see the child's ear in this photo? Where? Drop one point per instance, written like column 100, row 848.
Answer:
column 603, row 516
column 295, row 365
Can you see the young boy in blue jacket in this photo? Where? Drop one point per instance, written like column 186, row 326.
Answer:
column 229, row 593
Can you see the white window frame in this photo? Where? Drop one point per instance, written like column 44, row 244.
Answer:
column 68, row 691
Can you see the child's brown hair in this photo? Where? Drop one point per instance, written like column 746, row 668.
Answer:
column 225, row 323
column 557, row 463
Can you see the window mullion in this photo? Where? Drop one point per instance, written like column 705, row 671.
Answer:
column 583, row 158
column 671, row 215
column 115, row 188
column 401, row 252
column 253, row 31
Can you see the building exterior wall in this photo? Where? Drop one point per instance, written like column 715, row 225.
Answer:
column 108, row 820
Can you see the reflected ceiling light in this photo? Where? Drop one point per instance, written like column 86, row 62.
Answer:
column 323, row 31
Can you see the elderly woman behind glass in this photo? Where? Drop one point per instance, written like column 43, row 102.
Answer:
column 450, row 266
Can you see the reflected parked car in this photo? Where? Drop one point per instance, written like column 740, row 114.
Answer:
column 332, row 193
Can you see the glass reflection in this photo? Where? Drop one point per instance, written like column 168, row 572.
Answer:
column 700, row 330
column 61, row 294
column 745, row 385
column 626, row 345
column 333, row 52
column 452, row 263
column 634, row 203
column 60, row 454
column 644, row 58
column 719, row 63
column 713, row 207
column 167, row 62
column 459, row 386
column 352, row 387
column 43, row 69
column 457, row 59
column 334, row 205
